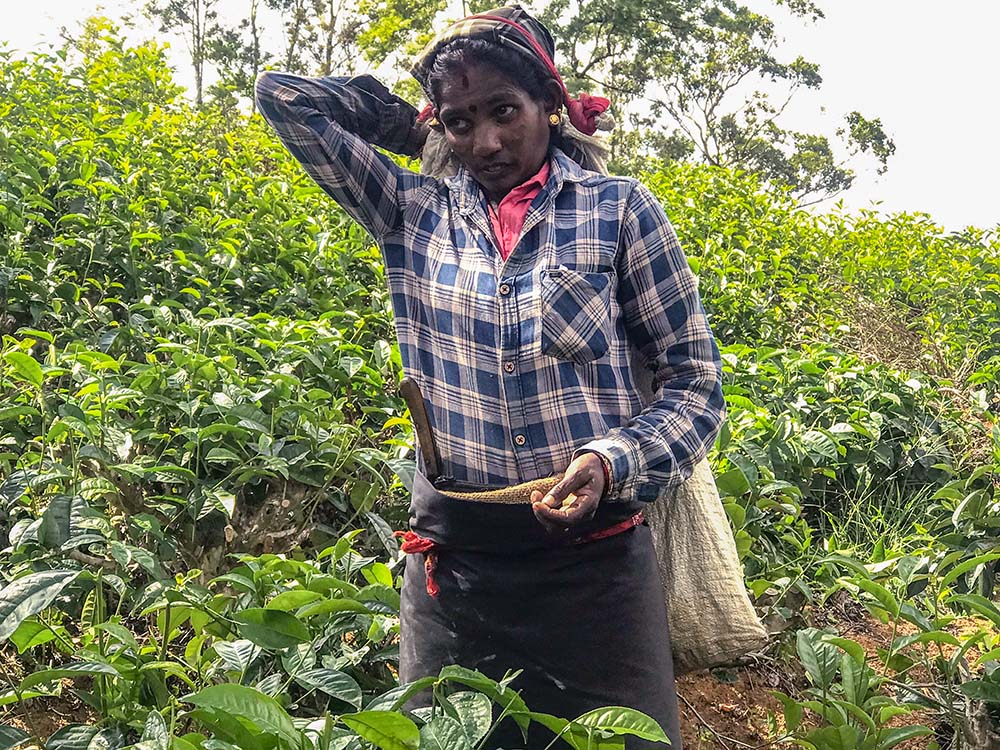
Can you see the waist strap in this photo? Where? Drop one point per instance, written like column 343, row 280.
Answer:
column 414, row 543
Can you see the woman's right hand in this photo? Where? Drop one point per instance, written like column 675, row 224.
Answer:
column 573, row 500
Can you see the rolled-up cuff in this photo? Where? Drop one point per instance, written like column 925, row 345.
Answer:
column 623, row 459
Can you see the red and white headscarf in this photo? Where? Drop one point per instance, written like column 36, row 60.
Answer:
column 514, row 27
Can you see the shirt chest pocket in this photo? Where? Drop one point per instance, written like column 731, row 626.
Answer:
column 575, row 314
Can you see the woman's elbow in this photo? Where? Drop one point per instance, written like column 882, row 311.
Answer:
column 264, row 87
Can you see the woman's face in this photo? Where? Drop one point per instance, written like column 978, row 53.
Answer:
column 494, row 127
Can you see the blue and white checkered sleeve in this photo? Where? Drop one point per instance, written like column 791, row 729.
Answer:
column 666, row 323
column 313, row 118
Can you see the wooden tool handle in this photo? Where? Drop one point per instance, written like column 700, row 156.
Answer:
column 410, row 392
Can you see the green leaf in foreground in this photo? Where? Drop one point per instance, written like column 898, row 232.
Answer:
column 83, row 737
column 271, row 628
column 155, row 735
column 443, row 733
column 621, row 720
column 503, row 696
column 335, row 684
column 384, row 729
column 576, row 736
column 249, row 704
column 475, row 712
column 11, row 737
column 25, row 367
column 77, row 669
column 28, row 596
column 893, row 737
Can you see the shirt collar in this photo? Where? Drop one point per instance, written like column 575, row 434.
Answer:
column 469, row 195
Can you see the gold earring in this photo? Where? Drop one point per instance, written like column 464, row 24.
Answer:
column 554, row 118
column 433, row 122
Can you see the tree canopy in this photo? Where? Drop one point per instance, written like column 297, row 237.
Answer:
column 694, row 80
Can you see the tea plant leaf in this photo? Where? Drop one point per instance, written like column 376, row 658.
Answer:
column 395, row 698
column 964, row 567
column 792, row 710
column 385, row 534
column 979, row 604
column 932, row 636
column 77, row 669
column 443, row 733
column 82, row 737
column 404, row 468
column 621, row 720
column 378, row 573
column 28, row 596
column 16, row 412
column 733, row 483
column 853, row 648
column 882, row 595
column 335, row 684
column 384, row 729
column 25, row 367
column 235, row 731
column 13, row 487
column 474, row 712
column 843, row 737
column 61, row 520
column 858, row 713
column 30, row 634
column 893, row 737
column 262, row 710
column 271, row 628
column 12, row 737
column 286, row 601
column 576, row 736
column 155, row 735
column 330, row 606
column 820, row 659
column 503, row 696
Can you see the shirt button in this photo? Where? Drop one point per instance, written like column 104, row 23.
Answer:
column 520, row 440
column 508, row 367
column 505, row 289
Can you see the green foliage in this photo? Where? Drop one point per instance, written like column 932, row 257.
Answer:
column 197, row 404
column 190, row 328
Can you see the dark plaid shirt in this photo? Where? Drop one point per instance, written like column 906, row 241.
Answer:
column 524, row 363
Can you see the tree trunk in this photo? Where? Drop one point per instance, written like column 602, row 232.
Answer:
column 198, row 48
column 254, row 52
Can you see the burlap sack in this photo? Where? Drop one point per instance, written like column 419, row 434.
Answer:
column 711, row 618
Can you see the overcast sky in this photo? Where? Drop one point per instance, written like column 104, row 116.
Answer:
column 928, row 70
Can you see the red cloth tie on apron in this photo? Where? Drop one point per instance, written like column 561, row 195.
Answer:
column 413, row 542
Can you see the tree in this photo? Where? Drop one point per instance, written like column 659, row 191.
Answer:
column 296, row 17
column 704, row 91
column 324, row 37
column 238, row 56
column 197, row 22
column 687, row 75
column 610, row 42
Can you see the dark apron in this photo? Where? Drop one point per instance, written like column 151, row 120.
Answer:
column 585, row 623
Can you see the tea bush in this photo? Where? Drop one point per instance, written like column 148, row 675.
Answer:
column 198, row 407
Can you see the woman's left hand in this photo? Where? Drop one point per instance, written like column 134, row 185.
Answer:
column 574, row 499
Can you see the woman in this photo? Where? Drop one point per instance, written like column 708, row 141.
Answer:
column 533, row 300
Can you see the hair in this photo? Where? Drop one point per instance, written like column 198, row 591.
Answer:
column 437, row 158
column 457, row 53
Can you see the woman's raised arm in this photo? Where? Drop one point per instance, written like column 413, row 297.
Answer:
column 328, row 125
